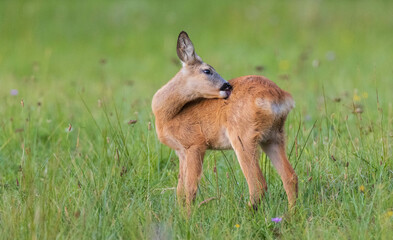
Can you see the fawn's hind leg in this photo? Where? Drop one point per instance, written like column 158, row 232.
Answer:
column 247, row 153
column 276, row 153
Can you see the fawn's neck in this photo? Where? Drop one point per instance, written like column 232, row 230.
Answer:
column 170, row 99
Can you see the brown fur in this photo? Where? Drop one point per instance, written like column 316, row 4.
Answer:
column 193, row 119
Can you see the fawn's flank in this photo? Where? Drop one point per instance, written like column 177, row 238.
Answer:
column 198, row 110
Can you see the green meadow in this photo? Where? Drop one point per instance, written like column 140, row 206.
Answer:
column 79, row 155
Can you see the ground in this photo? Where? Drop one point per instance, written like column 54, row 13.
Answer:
column 73, row 76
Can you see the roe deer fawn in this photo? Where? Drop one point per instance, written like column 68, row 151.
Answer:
column 198, row 110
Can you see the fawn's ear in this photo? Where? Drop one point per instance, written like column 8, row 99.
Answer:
column 185, row 49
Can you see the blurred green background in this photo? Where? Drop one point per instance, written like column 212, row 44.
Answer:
column 71, row 166
column 64, row 44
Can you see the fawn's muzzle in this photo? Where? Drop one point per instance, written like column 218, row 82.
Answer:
column 226, row 90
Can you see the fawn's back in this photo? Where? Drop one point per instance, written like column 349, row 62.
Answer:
column 256, row 105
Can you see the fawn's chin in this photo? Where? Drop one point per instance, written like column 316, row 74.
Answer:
column 225, row 94
column 221, row 94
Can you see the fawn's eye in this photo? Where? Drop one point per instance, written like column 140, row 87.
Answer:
column 206, row 71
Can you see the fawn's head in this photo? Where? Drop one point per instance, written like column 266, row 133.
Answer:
column 199, row 76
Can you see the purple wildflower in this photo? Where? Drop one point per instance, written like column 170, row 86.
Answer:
column 277, row 219
column 14, row 92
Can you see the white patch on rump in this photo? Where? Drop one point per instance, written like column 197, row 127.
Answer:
column 283, row 107
column 277, row 108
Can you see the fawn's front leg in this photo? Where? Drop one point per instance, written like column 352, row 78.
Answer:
column 180, row 191
column 190, row 173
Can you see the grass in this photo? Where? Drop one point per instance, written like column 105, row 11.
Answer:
column 71, row 167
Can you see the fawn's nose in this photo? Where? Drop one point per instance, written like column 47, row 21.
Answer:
column 225, row 90
column 226, row 87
